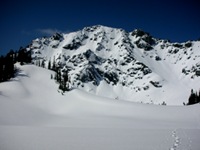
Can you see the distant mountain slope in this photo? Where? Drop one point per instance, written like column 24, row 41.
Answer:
column 131, row 66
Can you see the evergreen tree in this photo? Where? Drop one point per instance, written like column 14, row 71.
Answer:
column 7, row 69
column 43, row 64
column 194, row 98
column 49, row 65
column 198, row 98
column 24, row 56
column 54, row 65
column 58, row 76
column 63, row 81
column 51, row 76
column 9, row 65
column 38, row 63
column 28, row 57
column 21, row 55
column 191, row 98
column 15, row 57
column 1, row 68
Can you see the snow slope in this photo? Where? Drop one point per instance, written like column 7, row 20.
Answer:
column 34, row 115
column 132, row 66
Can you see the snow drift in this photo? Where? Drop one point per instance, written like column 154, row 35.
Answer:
column 34, row 115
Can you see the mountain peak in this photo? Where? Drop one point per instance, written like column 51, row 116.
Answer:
column 98, row 27
column 139, row 32
column 130, row 64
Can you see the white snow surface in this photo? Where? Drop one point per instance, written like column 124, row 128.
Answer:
column 35, row 116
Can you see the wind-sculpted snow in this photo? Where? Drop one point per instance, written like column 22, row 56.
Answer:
column 146, row 69
column 35, row 115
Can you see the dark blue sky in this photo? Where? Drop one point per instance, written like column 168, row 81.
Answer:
column 23, row 20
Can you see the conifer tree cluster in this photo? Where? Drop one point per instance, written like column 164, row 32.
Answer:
column 194, row 98
column 7, row 67
column 61, row 77
column 23, row 56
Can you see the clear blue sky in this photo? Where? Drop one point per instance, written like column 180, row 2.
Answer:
column 24, row 20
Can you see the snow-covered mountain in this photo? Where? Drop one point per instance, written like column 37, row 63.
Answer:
column 131, row 66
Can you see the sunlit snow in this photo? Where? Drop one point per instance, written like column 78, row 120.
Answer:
column 35, row 116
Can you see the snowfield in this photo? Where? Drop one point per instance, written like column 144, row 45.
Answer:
column 34, row 115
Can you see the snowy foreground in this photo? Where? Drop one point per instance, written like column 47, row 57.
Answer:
column 35, row 116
